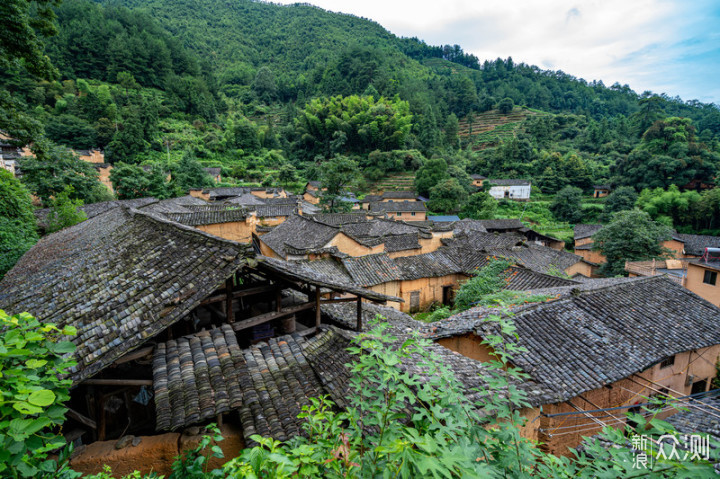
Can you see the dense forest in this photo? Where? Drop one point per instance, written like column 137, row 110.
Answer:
column 275, row 94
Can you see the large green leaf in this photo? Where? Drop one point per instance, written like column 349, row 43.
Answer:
column 43, row 397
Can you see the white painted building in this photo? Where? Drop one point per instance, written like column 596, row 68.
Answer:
column 510, row 189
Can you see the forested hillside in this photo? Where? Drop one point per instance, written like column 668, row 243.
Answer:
column 278, row 94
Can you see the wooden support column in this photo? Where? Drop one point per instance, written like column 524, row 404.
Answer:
column 278, row 299
column 359, row 314
column 229, row 315
column 317, row 306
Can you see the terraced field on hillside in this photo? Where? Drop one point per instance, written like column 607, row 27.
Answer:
column 489, row 128
column 394, row 182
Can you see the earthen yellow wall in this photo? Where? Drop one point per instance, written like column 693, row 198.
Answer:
column 200, row 194
column 104, row 177
column 265, row 194
column 581, row 268
column 349, row 246
column 427, row 245
column 265, row 250
column 272, row 220
column 677, row 247
column 430, row 289
column 407, row 215
column 235, row 231
column 478, row 183
column 582, row 241
column 591, row 256
column 311, row 199
column 600, row 193
column 469, row 345
column 694, row 282
column 95, row 156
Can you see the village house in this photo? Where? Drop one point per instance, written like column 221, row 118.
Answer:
column 477, row 180
column 215, row 174
column 136, row 285
column 518, row 190
column 680, row 245
column 225, row 193
column 598, row 350
column 702, row 276
column 346, row 234
column 401, row 210
column 601, row 191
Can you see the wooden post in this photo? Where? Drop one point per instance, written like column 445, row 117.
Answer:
column 278, row 299
column 359, row 314
column 228, row 301
column 317, row 306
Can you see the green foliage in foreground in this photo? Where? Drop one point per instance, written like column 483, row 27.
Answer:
column 32, row 361
column 17, row 222
column 396, row 424
column 65, row 212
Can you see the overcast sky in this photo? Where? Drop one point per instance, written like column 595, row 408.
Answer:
column 667, row 46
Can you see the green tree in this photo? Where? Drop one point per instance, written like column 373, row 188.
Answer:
column 25, row 23
column 48, row 176
column 129, row 181
column 621, row 199
column 264, row 85
column 18, row 231
column 630, row 236
column 505, row 105
column 287, row 174
column 338, row 175
column 187, row 174
column 567, row 205
column 480, row 206
column 447, row 196
column 32, row 396
column 430, row 174
column 64, row 212
column 451, row 131
column 129, row 141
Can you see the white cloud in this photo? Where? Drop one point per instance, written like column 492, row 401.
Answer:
column 625, row 41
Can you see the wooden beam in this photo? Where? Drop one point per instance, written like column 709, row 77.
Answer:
column 317, row 306
column 338, row 300
column 82, row 419
column 264, row 318
column 140, row 353
column 119, row 382
column 239, row 294
column 229, row 315
column 359, row 325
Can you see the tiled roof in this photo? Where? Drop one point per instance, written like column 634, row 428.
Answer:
column 507, row 224
column 119, row 278
column 246, row 199
column 398, row 206
column 499, row 182
column 174, row 205
column 322, row 276
column 585, row 231
column 300, row 233
column 272, row 211
column 209, row 217
column 202, row 375
column 372, row 269
column 428, row 265
column 213, row 171
column 226, row 192
column 477, row 177
column 399, row 195
column 467, row 225
column 592, row 336
column 93, row 209
column 695, row 244
column 523, row 279
column 539, row 258
column 338, row 219
column 715, row 265
column 696, row 420
column 371, row 198
column 316, row 184
column 401, row 242
column 443, row 219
